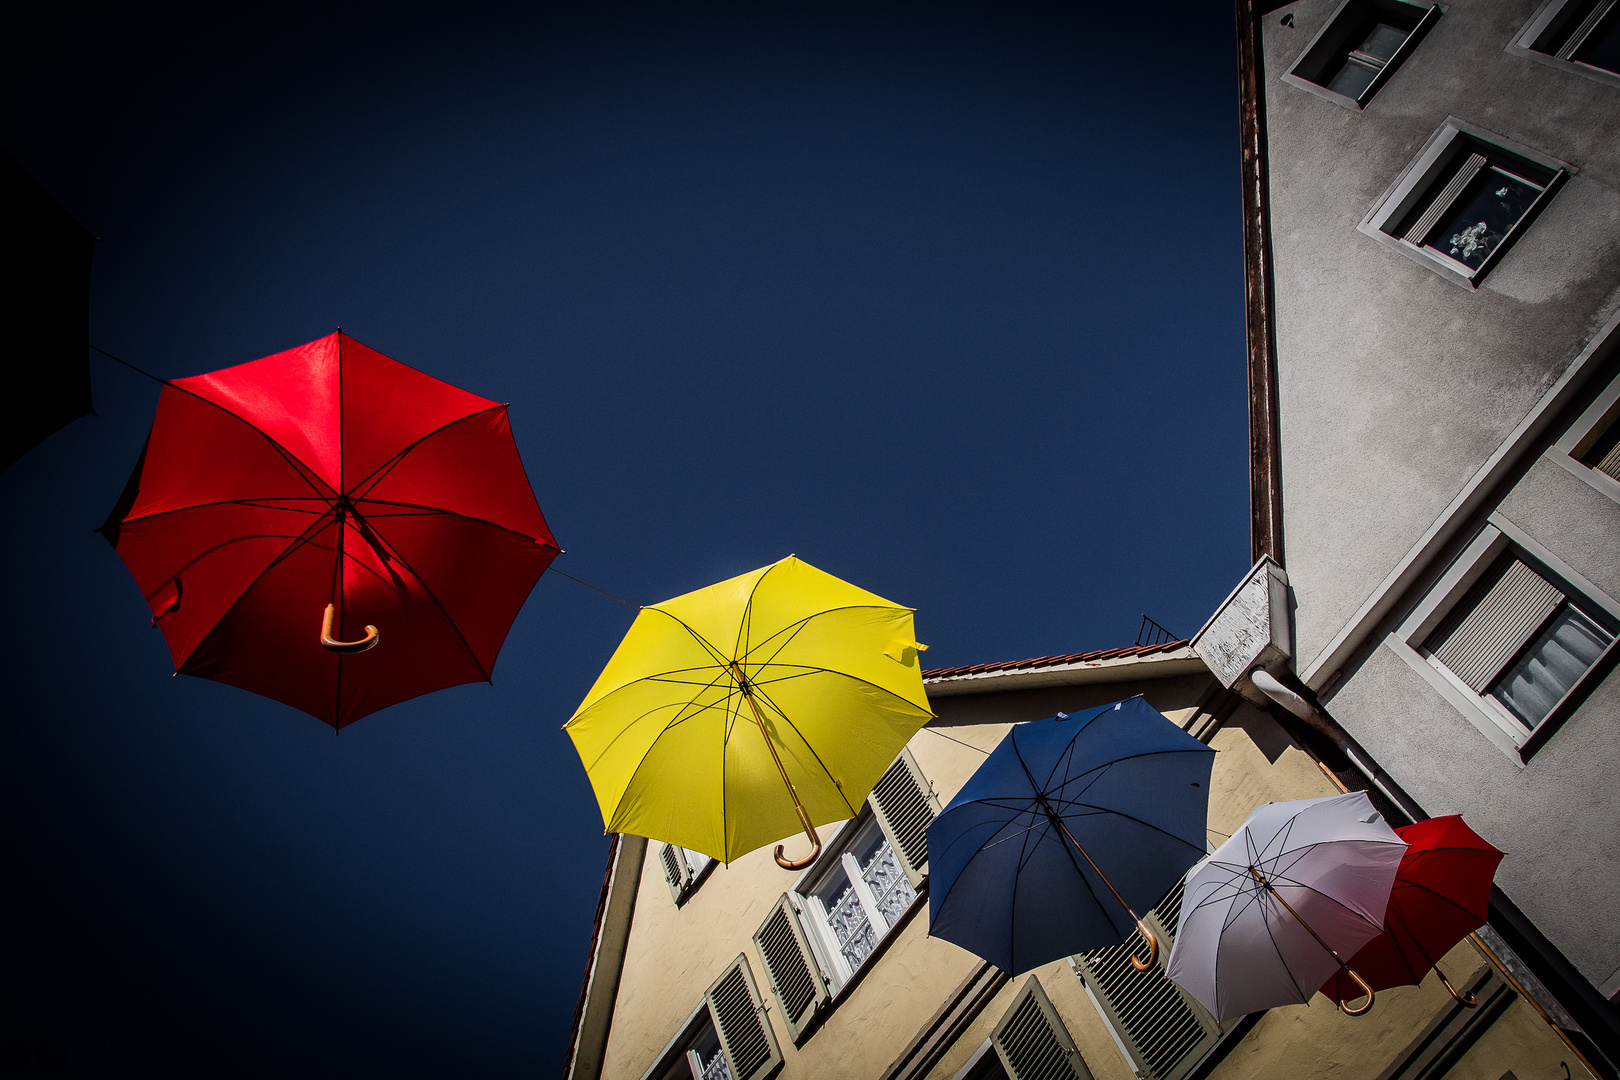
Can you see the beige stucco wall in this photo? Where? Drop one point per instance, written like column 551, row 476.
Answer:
column 674, row 954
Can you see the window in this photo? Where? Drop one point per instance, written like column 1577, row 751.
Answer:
column 821, row 934
column 858, row 899
column 1162, row 1031
column 1032, row 1042
column 1582, row 36
column 1519, row 639
column 1359, row 49
column 1589, row 448
column 726, row 1038
column 698, row 1055
column 1464, row 201
column 1599, row 449
column 1513, row 641
column 684, row 870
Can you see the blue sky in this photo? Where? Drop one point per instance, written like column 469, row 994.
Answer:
column 947, row 302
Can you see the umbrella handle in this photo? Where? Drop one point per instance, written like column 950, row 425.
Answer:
column 815, row 845
column 1468, row 1001
column 1347, row 1010
column 1153, row 948
column 330, row 642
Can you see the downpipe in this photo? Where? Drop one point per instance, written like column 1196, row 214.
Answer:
column 1269, row 685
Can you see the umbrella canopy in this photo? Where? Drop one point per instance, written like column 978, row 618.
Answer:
column 45, row 308
column 730, row 717
column 1069, row 827
column 1441, row 894
column 281, row 506
column 1273, row 911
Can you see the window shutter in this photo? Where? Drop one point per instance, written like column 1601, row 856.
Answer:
column 739, row 1020
column 1430, row 217
column 1478, row 640
column 1165, row 1030
column 1032, row 1042
column 904, row 804
column 795, row 976
column 676, row 874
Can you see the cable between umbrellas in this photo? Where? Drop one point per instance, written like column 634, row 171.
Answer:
column 588, row 585
column 126, row 363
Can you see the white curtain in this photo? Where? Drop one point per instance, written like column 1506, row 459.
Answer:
column 1551, row 666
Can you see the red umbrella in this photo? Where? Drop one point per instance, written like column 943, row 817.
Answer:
column 282, row 505
column 1439, row 898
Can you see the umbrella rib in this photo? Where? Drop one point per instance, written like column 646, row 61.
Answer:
column 1402, row 883
column 441, row 511
column 1012, row 737
column 1139, row 821
column 681, row 716
column 857, row 678
column 800, row 624
column 259, row 503
column 853, row 810
column 388, row 466
column 1266, row 922
column 299, row 466
column 382, row 542
column 718, row 657
column 299, row 541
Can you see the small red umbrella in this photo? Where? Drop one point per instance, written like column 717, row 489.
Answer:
column 281, row 505
column 1439, row 898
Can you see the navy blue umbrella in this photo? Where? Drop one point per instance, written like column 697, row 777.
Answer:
column 1070, row 827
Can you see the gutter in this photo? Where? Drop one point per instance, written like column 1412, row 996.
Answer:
column 1265, row 433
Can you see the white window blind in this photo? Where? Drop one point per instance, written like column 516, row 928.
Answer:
column 1479, row 639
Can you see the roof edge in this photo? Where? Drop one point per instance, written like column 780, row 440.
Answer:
column 610, row 934
column 1167, row 662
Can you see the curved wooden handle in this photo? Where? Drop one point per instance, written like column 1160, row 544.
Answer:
column 1153, row 948
column 1347, row 1010
column 815, row 847
column 330, row 642
column 1466, row 1001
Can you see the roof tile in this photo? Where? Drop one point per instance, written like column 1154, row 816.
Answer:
column 1054, row 661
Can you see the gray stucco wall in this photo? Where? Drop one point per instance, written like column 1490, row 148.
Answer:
column 1555, row 816
column 1395, row 383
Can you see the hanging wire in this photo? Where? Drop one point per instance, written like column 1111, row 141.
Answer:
column 588, row 585
column 959, row 742
column 126, row 363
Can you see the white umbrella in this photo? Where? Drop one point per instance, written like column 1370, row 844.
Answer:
column 1269, row 915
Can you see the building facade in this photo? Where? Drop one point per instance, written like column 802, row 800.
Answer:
column 1432, row 200
column 1431, row 208
column 749, row 972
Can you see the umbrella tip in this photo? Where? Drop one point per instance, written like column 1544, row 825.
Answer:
column 1062, row 715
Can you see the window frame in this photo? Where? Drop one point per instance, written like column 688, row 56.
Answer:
column 795, row 942
column 1481, row 709
column 1314, row 61
column 1549, row 23
column 691, row 1031
column 1598, row 419
column 1418, row 182
column 819, row 934
column 691, row 876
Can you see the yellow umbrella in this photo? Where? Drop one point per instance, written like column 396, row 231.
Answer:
column 718, row 700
